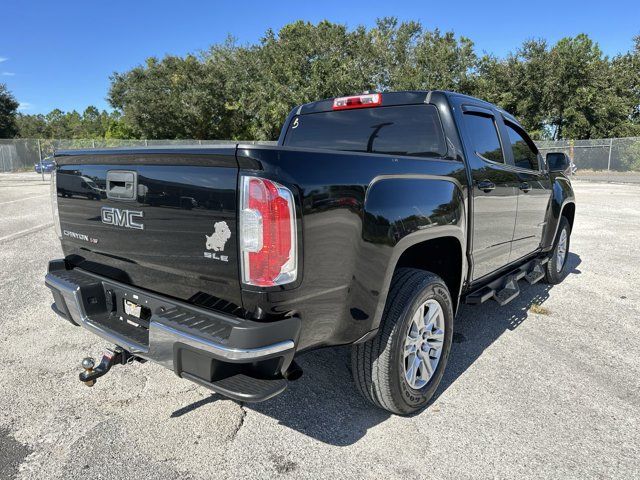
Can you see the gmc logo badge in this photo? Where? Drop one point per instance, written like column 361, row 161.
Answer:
column 121, row 218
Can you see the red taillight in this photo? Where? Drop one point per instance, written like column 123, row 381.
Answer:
column 358, row 101
column 267, row 233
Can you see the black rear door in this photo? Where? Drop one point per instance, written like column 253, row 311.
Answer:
column 494, row 189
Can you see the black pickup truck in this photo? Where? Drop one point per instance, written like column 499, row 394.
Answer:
column 367, row 224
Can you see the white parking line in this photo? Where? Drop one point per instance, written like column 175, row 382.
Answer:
column 22, row 233
column 21, row 199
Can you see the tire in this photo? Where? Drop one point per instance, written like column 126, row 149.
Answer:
column 379, row 365
column 556, row 267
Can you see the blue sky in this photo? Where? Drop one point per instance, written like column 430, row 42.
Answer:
column 60, row 54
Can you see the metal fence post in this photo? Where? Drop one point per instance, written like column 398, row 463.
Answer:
column 571, row 150
column 40, row 159
column 4, row 167
column 609, row 160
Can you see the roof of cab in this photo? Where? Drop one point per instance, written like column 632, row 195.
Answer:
column 405, row 97
column 388, row 99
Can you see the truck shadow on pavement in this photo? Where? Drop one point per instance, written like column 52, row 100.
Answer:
column 324, row 403
column 477, row 327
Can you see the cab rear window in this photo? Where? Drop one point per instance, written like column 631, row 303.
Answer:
column 413, row 130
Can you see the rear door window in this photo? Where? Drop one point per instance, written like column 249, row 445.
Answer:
column 413, row 130
column 524, row 156
column 484, row 136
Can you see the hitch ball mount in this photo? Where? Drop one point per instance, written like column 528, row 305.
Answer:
column 115, row 356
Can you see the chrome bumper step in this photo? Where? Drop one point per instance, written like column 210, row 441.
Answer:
column 209, row 347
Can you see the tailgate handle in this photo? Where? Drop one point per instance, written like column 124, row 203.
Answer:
column 122, row 185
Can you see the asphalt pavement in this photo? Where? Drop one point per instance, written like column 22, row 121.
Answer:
column 546, row 387
column 608, row 177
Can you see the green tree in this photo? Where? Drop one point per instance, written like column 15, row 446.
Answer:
column 576, row 78
column 32, row 126
column 8, row 113
column 302, row 63
column 565, row 90
column 569, row 90
column 118, row 128
column 246, row 92
column 407, row 57
column 170, row 98
column 624, row 87
column 518, row 84
column 392, row 54
column 90, row 124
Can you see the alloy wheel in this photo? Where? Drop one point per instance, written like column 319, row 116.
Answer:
column 561, row 252
column 423, row 344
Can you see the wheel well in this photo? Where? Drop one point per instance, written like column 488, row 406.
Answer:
column 442, row 256
column 569, row 211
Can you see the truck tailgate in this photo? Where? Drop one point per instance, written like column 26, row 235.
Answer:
column 156, row 219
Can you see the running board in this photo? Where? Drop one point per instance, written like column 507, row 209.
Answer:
column 505, row 288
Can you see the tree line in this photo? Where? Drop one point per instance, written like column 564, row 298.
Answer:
column 566, row 90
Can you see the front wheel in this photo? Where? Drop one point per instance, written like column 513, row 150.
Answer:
column 557, row 264
column 399, row 370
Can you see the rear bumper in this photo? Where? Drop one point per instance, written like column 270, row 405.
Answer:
column 201, row 345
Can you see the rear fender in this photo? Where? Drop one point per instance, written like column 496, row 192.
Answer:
column 400, row 212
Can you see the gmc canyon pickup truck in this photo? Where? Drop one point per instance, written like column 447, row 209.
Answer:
column 373, row 218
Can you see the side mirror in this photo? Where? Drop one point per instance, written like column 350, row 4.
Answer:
column 558, row 162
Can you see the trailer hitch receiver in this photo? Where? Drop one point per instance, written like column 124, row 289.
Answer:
column 115, row 356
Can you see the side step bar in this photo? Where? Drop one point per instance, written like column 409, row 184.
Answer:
column 505, row 288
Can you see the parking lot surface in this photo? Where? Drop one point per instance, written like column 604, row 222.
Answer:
column 608, row 177
column 545, row 387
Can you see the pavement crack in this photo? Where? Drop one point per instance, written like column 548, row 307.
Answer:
column 240, row 423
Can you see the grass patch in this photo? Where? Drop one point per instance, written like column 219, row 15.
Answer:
column 539, row 309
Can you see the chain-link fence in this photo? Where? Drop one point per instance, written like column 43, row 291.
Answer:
column 619, row 154
column 16, row 155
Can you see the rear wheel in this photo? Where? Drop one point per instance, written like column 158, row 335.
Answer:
column 399, row 370
column 557, row 264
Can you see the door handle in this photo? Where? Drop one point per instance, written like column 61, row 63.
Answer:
column 525, row 187
column 486, row 186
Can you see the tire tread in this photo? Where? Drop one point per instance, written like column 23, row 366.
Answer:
column 551, row 276
column 371, row 360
